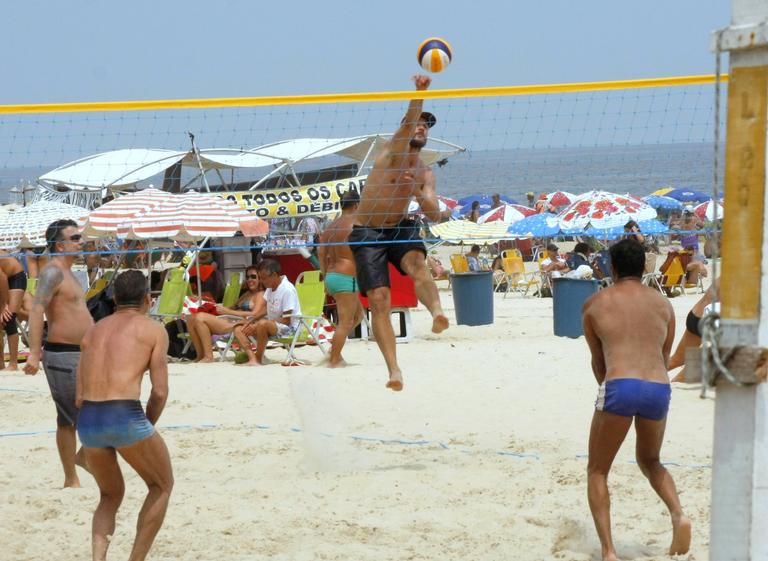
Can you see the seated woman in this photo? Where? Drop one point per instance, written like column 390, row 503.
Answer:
column 250, row 305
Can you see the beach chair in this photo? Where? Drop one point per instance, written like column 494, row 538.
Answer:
column 459, row 263
column 170, row 303
column 516, row 276
column 232, row 291
column 513, row 253
column 674, row 278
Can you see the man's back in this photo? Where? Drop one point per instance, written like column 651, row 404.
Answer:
column 338, row 255
column 115, row 354
column 634, row 324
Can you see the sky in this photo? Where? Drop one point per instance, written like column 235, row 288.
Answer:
column 82, row 50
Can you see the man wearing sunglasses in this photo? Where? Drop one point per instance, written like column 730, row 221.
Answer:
column 61, row 298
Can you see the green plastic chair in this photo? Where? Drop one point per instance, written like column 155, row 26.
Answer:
column 232, row 291
column 311, row 292
column 171, row 300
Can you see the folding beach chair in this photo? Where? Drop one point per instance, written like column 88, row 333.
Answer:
column 171, row 300
column 674, row 278
column 516, row 276
column 459, row 263
column 232, row 291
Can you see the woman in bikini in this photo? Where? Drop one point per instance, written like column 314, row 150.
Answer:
column 251, row 304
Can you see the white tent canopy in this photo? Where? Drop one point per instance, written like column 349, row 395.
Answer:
column 126, row 167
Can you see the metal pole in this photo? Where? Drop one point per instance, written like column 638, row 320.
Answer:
column 740, row 455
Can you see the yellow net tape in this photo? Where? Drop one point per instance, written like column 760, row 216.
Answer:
column 537, row 89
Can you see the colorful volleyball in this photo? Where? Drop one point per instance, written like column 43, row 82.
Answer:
column 434, row 54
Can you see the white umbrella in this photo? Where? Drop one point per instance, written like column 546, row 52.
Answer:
column 706, row 211
column 600, row 209
column 26, row 226
column 508, row 214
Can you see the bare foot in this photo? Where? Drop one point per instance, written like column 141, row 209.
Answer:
column 439, row 323
column 72, row 483
column 681, row 536
column 610, row 557
column 11, row 367
column 206, row 359
column 340, row 363
column 395, row 382
column 253, row 362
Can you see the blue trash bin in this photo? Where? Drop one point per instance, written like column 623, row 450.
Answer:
column 568, row 297
column 473, row 297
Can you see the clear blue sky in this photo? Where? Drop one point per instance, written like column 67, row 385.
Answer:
column 79, row 50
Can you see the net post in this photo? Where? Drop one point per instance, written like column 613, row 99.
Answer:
column 740, row 456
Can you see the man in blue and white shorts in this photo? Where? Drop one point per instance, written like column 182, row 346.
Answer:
column 282, row 303
column 630, row 329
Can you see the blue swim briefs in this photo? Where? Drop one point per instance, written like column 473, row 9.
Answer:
column 338, row 282
column 113, row 424
column 630, row 397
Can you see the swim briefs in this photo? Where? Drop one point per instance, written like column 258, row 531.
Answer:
column 113, row 424
column 630, row 397
column 374, row 248
column 18, row 281
column 338, row 282
column 60, row 362
column 692, row 324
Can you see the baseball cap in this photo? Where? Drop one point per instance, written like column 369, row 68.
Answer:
column 428, row 117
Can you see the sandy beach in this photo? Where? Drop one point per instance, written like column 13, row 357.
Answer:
column 482, row 457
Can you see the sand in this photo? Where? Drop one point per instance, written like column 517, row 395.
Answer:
column 481, row 457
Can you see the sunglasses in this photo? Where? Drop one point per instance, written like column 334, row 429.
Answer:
column 74, row 238
column 253, row 277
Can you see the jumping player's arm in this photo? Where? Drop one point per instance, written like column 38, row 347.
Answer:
column 399, row 145
column 47, row 286
column 426, row 196
column 158, row 375
column 594, row 343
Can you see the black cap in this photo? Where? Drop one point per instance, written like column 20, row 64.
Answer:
column 428, row 117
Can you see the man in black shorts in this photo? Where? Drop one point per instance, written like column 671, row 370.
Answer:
column 381, row 234
column 17, row 286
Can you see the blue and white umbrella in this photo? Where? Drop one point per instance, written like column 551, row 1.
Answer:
column 542, row 225
column 660, row 202
column 688, row 196
column 485, row 202
column 648, row 227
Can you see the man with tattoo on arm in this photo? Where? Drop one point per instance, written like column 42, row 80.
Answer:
column 61, row 298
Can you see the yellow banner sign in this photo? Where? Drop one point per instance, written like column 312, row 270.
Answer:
column 318, row 198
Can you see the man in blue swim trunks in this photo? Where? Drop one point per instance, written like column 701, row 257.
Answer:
column 116, row 352
column 338, row 266
column 629, row 329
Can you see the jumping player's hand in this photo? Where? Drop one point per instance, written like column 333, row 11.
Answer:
column 31, row 366
column 422, row 82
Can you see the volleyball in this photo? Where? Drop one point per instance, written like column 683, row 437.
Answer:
column 434, row 54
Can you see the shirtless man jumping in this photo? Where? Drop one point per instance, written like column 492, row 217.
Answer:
column 381, row 234
column 60, row 297
column 629, row 329
column 116, row 353
column 338, row 266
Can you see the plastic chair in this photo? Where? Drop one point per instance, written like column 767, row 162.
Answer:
column 516, row 276
column 232, row 291
column 171, row 300
column 32, row 286
column 459, row 263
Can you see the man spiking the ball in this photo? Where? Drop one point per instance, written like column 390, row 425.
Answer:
column 382, row 235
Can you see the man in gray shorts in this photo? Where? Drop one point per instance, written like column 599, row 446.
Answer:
column 60, row 297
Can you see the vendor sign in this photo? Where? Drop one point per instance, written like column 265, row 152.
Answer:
column 318, row 198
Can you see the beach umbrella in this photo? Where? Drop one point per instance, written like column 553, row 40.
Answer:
column 560, row 198
column 688, row 196
column 25, row 227
column 663, row 191
column 192, row 216
column 486, row 201
column 104, row 220
column 443, row 203
column 466, row 231
column 544, row 225
column 601, row 210
column 508, row 214
column 706, row 211
column 661, row 202
column 648, row 227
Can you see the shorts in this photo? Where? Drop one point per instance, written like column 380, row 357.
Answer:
column 631, row 397
column 18, row 281
column 374, row 248
column 61, row 371
column 692, row 324
column 113, row 424
column 11, row 328
column 338, row 282
column 285, row 330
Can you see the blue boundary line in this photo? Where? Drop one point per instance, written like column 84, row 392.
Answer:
column 360, row 438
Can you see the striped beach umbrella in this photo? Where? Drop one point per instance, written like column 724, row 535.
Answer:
column 104, row 220
column 663, row 191
column 191, row 217
column 25, row 227
column 443, row 203
column 466, row 231
column 507, row 214
column 706, row 211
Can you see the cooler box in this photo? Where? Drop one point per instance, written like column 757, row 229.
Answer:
column 473, row 297
column 568, row 297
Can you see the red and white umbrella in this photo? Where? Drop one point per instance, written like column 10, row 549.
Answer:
column 508, row 214
column 443, row 203
column 104, row 220
column 706, row 211
column 600, row 209
column 560, row 198
column 26, row 226
column 193, row 216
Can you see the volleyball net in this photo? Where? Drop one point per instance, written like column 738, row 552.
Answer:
column 289, row 160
